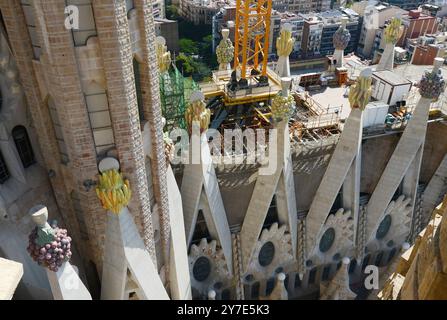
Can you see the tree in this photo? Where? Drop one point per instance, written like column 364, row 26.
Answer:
column 192, row 67
column 172, row 12
column 206, row 51
column 185, row 64
column 188, row 46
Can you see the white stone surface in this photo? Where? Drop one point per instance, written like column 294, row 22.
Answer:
column 180, row 281
column 338, row 56
column 387, row 59
column 280, row 182
column 283, row 66
column 124, row 250
column 10, row 274
column 343, row 170
column 404, row 165
column 200, row 188
column 66, row 285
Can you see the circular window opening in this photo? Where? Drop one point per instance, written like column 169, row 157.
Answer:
column 218, row 285
column 266, row 254
column 249, row 278
column 309, row 263
column 384, row 227
column 201, row 269
column 327, row 240
column 336, row 257
column 279, row 270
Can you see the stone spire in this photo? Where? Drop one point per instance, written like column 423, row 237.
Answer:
column 50, row 247
column 283, row 104
column 406, row 156
column 284, row 47
column 432, row 83
column 211, row 295
column 225, row 51
column 341, row 40
column 127, row 265
column 360, row 92
column 197, row 112
column 280, row 291
column 344, row 166
column 113, row 191
column 392, row 34
column 338, row 288
column 43, row 245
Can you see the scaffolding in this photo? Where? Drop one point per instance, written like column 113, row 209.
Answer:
column 174, row 93
column 313, row 123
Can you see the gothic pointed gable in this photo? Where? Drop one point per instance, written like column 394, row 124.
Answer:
column 200, row 189
column 404, row 164
column 279, row 184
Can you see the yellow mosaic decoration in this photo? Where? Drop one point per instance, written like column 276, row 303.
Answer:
column 163, row 56
column 393, row 31
column 360, row 92
column 284, row 43
column 197, row 112
column 113, row 191
column 282, row 107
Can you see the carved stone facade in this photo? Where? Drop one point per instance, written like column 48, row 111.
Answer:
column 82, row 97
column 79, row 103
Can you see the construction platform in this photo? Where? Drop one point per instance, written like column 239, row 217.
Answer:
column 255, row 92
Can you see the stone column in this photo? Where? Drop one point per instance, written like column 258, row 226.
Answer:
column 341, row 41
column 404, row 164
column 114, row 38
column 392, row 34
column 344, row 167
column 126, row 260
column 284, row 47
column 199, row 184
column 152, row 114
column 278, row 178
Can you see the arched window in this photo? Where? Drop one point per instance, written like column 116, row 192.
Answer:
column 297, row 283
column 4, row 173
column 312, row 276
column 270, row 286
column 326, row 273
column 23, row 146
column 255, row 290
column 226, row 294
column 352, row 266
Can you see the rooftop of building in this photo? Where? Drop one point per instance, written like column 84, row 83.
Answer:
column 211, row 3
column 164, row 20
column 416, row 15
column 393, row 78
column 334, row 98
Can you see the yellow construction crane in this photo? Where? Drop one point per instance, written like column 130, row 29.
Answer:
column 252, row 32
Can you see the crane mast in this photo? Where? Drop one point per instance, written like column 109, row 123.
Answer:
column 252, row 32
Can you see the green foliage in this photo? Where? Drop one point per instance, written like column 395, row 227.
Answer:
column 189, row 46
column 172, row 12
column 194, row 41
column 192, row 67
column 185, row 64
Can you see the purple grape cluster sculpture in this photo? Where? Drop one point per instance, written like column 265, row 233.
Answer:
column 341, row 38
column 432, row 84
column 50, row 249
